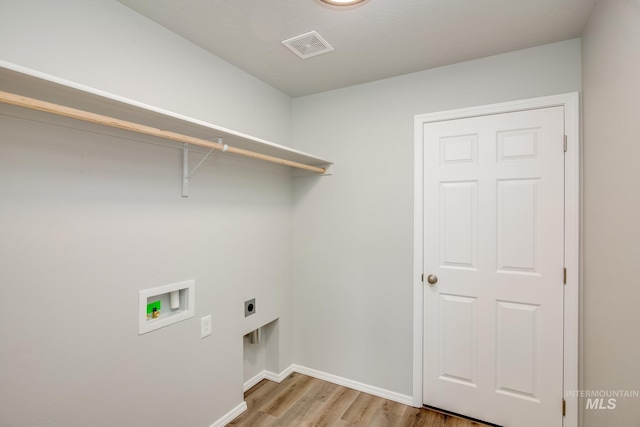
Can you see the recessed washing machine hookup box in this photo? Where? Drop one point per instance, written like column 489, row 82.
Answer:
column 165, row 305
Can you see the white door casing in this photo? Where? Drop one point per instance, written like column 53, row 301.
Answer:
column 494, row 215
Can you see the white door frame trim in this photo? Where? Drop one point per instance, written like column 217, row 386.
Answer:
column 571, row 104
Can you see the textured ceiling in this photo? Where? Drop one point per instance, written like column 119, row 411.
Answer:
column 373, row 40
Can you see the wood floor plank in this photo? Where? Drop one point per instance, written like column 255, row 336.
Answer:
column 261, row 397
column 254, row 419
column 331, row 411
column 416, row 417
column 255, row 397
column 261, row 392
column 257, row 388
column 308, row 404
column 382, row 418
column 302, row 401
column 362, row 409
column 287, row 396
column 393, row 408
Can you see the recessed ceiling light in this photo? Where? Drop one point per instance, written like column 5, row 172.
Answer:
column 342, row 2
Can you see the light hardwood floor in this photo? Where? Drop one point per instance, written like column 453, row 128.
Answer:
column 300, row 400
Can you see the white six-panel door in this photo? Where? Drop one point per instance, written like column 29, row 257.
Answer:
column 493, row 221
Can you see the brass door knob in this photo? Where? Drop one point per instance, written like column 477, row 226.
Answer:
column 432, row 279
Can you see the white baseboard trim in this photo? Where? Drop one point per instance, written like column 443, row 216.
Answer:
column 231, row 415
column 365, row 388
column 253, row 381
column 272, row 376
column 279, row 377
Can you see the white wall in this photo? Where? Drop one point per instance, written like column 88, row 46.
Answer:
column 105, row 45
column 611, row 64
column 88, row 218
column 353, row 231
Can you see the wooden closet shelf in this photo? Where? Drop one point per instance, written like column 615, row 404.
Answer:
column 30, row 82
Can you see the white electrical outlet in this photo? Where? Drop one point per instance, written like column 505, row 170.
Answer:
column 205, row 326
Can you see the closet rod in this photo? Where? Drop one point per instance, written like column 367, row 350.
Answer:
column 36, row 104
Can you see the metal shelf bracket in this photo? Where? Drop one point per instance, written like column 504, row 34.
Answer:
column 185, row 166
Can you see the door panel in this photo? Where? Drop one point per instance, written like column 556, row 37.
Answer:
column 458, row 346
column 517, row 347
column 518, row 222
column 458, row 232
column 494, row 230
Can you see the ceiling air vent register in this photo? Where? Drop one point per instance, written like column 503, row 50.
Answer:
column 308, row 45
